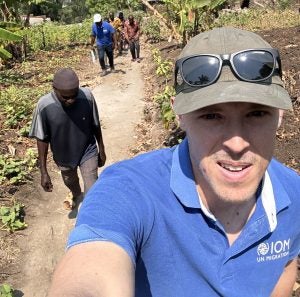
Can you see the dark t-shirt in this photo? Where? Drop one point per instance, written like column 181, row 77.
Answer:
column 69, row 130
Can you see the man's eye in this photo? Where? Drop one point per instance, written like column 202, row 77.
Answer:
column 211, row 116
column 257, row 113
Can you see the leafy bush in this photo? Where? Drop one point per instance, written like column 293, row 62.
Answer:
column 151, row 28
column 6, row 290
column 51, row 36
column 17, row 104
column 163, row 67
column 12, row 219
column 164, row 101
column 138, row 15
column 16, row 170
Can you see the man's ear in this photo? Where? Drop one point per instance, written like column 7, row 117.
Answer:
column 281, row 112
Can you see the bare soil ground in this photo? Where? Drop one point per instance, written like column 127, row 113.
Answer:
column 26, row 249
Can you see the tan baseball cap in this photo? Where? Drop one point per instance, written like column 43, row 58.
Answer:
column 228, row 88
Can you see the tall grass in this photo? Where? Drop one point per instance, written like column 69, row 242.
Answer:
column 259, row 19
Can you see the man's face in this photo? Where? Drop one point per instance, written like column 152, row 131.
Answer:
column 66, row 97
column 230, row 145
column 131, row 20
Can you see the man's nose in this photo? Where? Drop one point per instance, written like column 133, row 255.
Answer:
column 236, row 139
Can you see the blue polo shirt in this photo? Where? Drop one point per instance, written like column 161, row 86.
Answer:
column 103, row 33
column 150, row 207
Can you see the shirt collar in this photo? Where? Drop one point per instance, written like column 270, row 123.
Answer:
column 268, row 202
column 273, row 195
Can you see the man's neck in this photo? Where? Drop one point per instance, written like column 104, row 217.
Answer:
column 232, row 216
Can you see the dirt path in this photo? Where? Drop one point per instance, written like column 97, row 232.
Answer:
column 120, row 103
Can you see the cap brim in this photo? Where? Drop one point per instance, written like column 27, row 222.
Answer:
column 234, row 91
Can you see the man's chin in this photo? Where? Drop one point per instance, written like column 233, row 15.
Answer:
column 68, row 105
column 235, row 195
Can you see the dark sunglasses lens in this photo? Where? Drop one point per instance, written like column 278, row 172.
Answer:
column 201, row 70
column 254, row 65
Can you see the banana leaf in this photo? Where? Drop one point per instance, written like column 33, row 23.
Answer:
column 4, row 54
column 6, row 35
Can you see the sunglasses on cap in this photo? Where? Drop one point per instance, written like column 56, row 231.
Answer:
column 252, row 65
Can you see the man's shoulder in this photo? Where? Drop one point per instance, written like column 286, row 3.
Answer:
column 86, row 91
column 144, row 165
column 117, row 21
column 45, row 101
column 278, row 168
column 86, row 94
column 163, row 155
column 107, row 25
column 149, row 172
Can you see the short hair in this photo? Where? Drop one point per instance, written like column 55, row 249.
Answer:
column 65, row 79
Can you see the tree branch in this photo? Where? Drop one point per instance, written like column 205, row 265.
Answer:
column 171, row 27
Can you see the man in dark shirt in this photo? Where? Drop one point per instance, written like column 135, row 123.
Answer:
column 67, row 119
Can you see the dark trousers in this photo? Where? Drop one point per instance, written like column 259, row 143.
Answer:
column 89, row 173
column 134, row 47
column 108, row 50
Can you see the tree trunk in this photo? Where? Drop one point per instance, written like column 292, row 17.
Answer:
column 27, row 20
column 164, row 21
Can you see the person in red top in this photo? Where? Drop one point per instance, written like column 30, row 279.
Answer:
column 132, row 35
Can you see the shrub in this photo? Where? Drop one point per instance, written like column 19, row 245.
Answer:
column 151, row 28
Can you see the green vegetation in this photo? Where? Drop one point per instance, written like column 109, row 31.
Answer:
column 17, row 105
column 5, row 37
column 15, row 170
column 105, row 6
column 151, row 28
column 53, row 36
column 6, row 290
column 164, row 68
column 192, row 16
column 12, row 217
column 259, row 19
column 164, row 101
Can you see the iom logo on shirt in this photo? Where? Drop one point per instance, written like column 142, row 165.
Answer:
column 273, row 250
